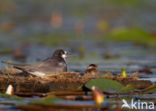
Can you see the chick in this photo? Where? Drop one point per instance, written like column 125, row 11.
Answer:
column 92, row 70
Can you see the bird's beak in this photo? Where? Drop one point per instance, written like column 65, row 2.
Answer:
column 68, row 54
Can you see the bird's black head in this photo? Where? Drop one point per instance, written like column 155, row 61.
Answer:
column 60, row 53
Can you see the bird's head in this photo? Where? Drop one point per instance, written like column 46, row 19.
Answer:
column 61, row 53
column 92, row 68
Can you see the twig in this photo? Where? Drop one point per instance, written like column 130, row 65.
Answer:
column 61, row 93
column 148, row 88
column 30, row 94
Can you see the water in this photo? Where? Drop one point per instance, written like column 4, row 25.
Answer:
column 26, row 24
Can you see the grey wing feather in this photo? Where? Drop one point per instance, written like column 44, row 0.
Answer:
column 48, row 66
column 16, row 64
column 26, row 68
column 52, row 65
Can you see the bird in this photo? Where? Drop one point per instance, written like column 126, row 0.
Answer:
column 52, row 65
column 92, row 70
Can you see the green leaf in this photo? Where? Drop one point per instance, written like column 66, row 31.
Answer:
column 104, row 84
column 6, row 51
column 127, row 88
column 15, row 98
column 4, row 95
column 47, row 101
column 133, row 34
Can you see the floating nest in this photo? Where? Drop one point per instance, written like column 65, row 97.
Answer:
column 71, row 81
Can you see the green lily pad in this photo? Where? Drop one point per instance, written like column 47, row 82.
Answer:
column 4, row 95
column 6, row 51
column 104, row 84
column 127, row 88
column 16, row 98
column 47, row 101
column 133, row 34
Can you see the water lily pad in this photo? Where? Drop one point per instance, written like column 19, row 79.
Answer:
column 6, row 51
column 47, row 101
column 16, row 98
column 4, row 95
column 127, row 88
column 134, row 34
column 105, row 84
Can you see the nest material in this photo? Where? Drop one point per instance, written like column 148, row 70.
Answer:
column 72, row 81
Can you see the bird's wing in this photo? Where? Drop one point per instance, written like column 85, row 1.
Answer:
column 26, row 68
column 19, row 66
column 51, row 66
column 48, row 66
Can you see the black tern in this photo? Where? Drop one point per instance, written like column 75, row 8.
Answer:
column 54, row 64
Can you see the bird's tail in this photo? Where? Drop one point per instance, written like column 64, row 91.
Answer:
column 14, row 64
